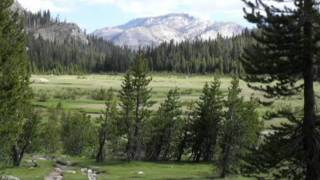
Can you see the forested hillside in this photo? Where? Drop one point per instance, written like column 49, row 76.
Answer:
column 54, row 52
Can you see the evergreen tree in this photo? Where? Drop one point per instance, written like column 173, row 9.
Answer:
column 240, row 130
column 74, row 139
column 26, row 137
column 126, row 103
column 286, row 51
column 15, row 93
column 136, row 109
column 208, row 114
column 51, row 131
column 184, row 137
column 105, row 125
column 165, row 128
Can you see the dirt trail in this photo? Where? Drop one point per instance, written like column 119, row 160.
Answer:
column 57, row 174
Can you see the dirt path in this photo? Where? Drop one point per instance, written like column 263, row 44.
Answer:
column 57, row 174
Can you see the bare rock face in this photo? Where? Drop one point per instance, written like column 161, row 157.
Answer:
column 61, row 32
column 16, row 7
column 152, row 31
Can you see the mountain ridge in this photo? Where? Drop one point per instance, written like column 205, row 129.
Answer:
column 48, row 28
column 152, row 31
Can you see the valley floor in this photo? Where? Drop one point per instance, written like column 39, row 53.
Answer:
column 117, row 170
column 75, row 92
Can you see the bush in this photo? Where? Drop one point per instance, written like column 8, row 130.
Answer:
column 66, row 94
column 77, row 134
column 99, row 94
column 43, row 96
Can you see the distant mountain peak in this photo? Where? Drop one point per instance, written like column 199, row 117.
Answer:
column 152, row 31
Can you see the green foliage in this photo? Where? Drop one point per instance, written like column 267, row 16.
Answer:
column 135, row 103
column 51, row 131
column 77, row 134
column 65, row 94
column 15, row 93
column 280, row 145
column 206, row 125
column 43, row 96
column 107, row 126
column 286, row 51
column 240, row 130
column 99, row 94
column 165, row 128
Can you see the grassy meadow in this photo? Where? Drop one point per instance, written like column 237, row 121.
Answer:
column 119, row 170
column 77, row 93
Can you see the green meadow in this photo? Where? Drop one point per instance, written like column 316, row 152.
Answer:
column 75, row 92
column 120, row 170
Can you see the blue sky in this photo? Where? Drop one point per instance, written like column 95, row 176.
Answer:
column 95, row 14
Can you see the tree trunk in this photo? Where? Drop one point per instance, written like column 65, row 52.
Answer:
column 130, row 146
column 17, row 154
column 138, row 128
column 225, row 159
column 181, row 147
column 100, row 155
column 309, row 123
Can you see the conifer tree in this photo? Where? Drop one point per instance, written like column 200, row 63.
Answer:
column 15, row 94
column 185, row 139
column 106, row 123
column 240, row 130
column 135, row 109
column 165, row 128
column 126, row 103
column 51, row 130
column 208, row 114
column 286, row 51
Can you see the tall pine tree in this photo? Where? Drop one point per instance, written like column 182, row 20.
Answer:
column 165, row 127
column 15, row 93
column 286, row 51
column 208, row 114
column 239, row 131
column 135, row 109
column 106, row 122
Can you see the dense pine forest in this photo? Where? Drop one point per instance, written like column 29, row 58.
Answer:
column 221, row 55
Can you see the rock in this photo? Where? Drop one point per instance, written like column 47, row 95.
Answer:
column 71, row 172
column 9, row 178
column 92, row 175
column 84, row 171
column 58, row 170
column 59, row 178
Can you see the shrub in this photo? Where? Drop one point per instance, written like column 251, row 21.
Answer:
column 99, row 94
column 43, row 96
column 77, row 134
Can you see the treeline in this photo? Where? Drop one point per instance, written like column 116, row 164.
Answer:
column 74, row 57
column 216, row 128
column 219, row 55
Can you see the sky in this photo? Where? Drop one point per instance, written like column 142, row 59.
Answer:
column 96, row 14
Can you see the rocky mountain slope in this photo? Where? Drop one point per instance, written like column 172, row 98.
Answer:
column 152, row 31
column 43, row 25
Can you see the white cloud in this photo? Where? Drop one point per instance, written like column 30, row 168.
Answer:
column 141, row 7
column 157, row 7
column 52, row 5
